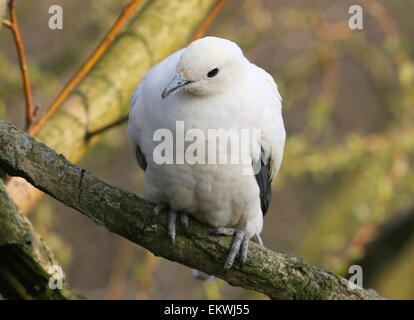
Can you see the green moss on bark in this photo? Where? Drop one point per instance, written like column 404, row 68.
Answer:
column 24, row 259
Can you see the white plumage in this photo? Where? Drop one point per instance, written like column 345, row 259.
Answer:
column 238, row 95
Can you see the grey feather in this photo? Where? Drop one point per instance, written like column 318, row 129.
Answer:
column 264, row 182
column 140, row 158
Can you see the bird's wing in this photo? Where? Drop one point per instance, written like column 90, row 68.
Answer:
column 273, row 136
column 140, row 158
column 144, row 103
column 135, row 126
column 264, row 182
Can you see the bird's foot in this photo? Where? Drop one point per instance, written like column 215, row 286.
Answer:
column 172, row 218
column 159, row 208
column 184, row 220
column 240, row 245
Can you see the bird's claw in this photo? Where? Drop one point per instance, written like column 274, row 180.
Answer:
column 172, row 218
column 184, row 220
column 159, row 208
column 240, row 245
column 244, row 249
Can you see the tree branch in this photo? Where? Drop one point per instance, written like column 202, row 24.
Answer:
column 7, row 23
column 208, row 20
column 24, row 259
column 119, row 122
column 277, row 275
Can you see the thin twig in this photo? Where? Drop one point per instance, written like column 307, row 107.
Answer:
column 206, row 23
column 88, row 65
column 7, row 23
column 103, row 129
column 14, row 27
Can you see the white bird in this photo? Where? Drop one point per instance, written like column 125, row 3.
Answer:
column 210, row 85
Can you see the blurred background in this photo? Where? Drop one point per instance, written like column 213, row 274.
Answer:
column 344, row 194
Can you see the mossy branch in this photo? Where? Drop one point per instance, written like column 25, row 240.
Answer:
column 277, row 275
column 24, row 259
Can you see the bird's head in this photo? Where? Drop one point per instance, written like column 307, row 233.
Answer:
column 207, row 66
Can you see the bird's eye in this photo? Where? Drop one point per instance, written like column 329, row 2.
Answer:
column 212, row 73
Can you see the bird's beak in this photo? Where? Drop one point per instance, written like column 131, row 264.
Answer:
column 176, row 84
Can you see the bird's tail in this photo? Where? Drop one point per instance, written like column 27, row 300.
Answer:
column 200, row 275
column 258, row 239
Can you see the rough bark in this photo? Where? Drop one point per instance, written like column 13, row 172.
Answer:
column 277, row 275
column 159, row 28
column 24, row 259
